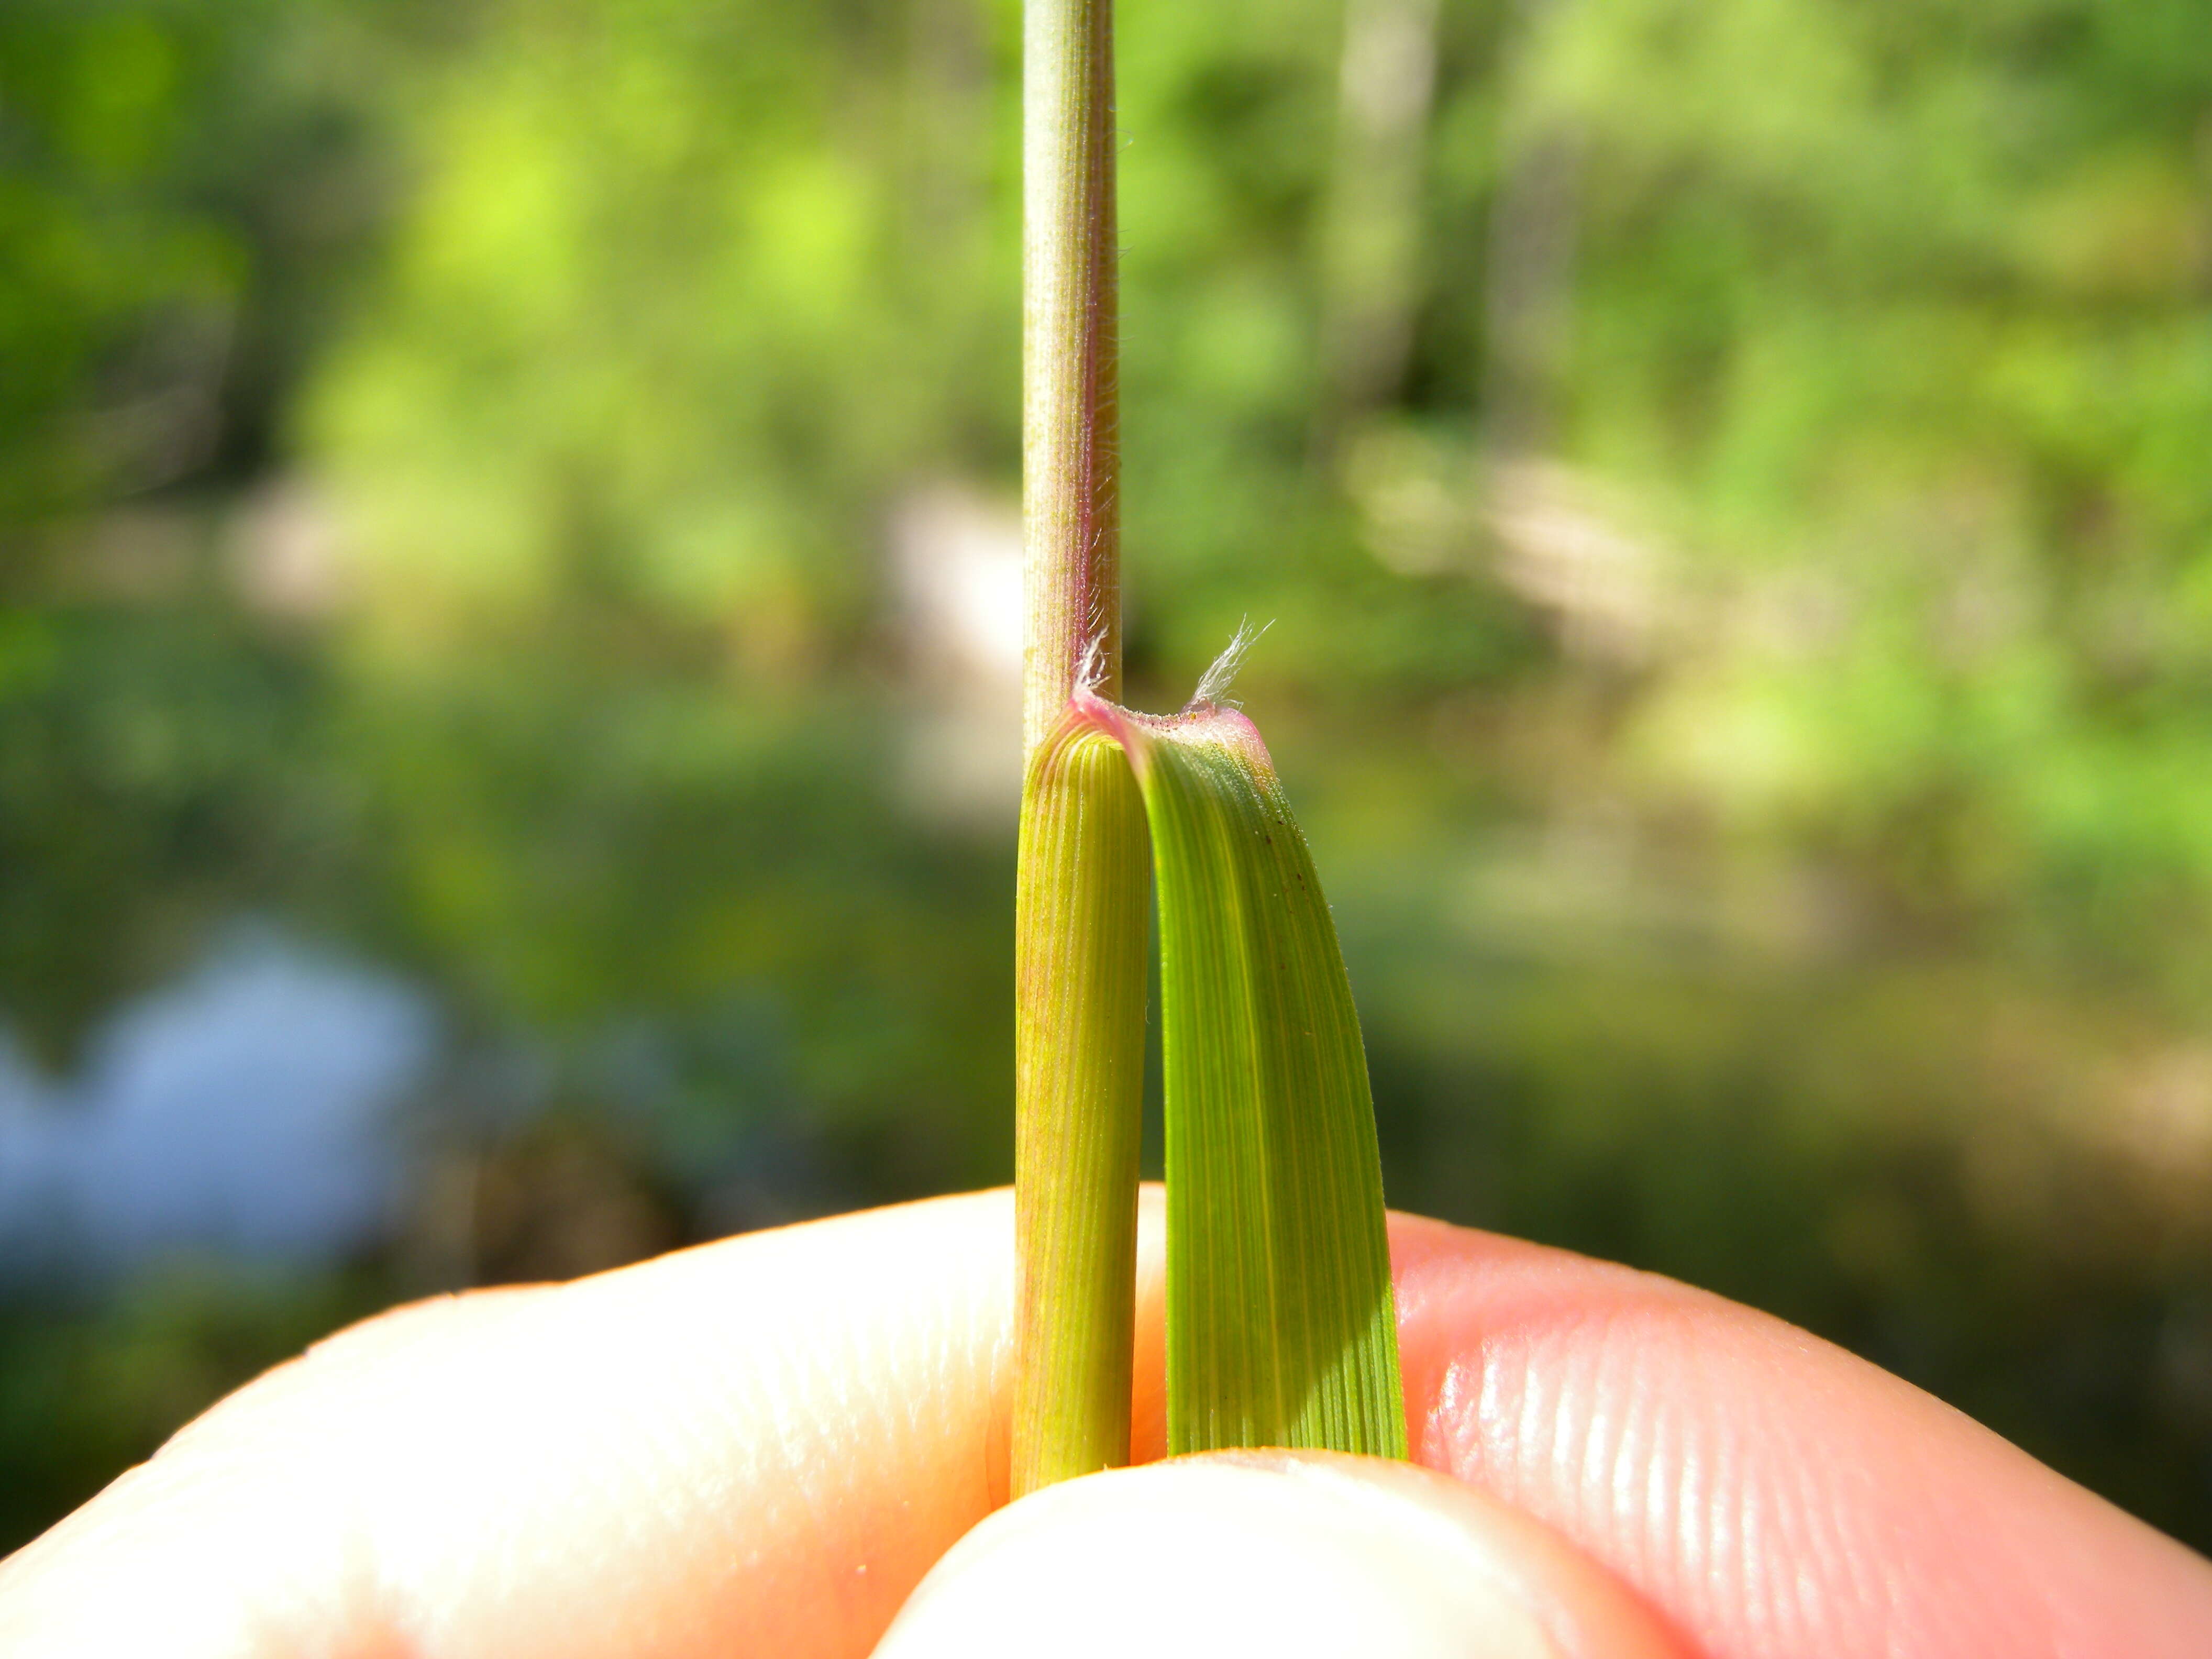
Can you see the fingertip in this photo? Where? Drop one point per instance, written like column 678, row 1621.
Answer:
column 1767, row 1491
column 1285, row 1554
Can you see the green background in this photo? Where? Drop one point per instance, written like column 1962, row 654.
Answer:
column 1729, row 481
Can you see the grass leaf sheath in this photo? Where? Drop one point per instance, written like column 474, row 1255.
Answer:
column 1281, row 1329
column 1082, row 924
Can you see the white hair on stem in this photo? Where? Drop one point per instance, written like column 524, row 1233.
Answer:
column 1091, row 667
column 1214, row 685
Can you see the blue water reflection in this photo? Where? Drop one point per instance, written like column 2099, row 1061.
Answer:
column 248, row 1107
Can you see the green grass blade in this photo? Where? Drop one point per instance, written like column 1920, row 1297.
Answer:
column 1083, row 916
column 1281, row 1330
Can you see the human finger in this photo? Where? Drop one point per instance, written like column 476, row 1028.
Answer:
column 1294, row 1555
column 760, row 1446
column 1767, row 1492
column 754, row 1447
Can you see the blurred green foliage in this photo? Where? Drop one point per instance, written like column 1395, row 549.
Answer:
column 1728, row 478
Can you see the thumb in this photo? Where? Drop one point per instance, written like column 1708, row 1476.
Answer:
column 1273, row 1553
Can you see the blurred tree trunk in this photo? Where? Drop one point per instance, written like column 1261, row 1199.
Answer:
column 1528, row 294
column 1372, row 248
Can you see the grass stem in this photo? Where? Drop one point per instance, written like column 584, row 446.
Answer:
column 1071, row 428
column 1083, row 887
